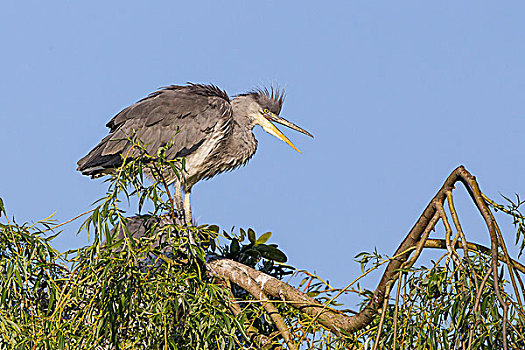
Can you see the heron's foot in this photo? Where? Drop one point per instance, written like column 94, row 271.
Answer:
column 183, row 208
column 189, row 222
column 180, row 220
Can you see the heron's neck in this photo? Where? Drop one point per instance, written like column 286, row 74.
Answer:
column 243, row 108
column 242, row 144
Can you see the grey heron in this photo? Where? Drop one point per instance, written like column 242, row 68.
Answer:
column 213, row 132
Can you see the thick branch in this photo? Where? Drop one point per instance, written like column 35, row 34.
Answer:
column 245, row 278
column 330, row 319
column 339, row 322
column 367, row 314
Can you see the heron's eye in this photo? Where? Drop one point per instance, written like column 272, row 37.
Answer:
column 266, row 111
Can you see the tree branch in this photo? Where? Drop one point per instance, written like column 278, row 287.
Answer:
column 340, row 323
column 441, row 244
column 245, row 278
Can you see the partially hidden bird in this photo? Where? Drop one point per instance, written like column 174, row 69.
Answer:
column 211, row 131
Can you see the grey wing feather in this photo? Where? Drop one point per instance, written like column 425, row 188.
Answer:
column 154, row 120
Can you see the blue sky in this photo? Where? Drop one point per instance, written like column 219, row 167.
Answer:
column 397, row 95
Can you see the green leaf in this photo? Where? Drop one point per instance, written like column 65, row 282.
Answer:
column 51, row 300
column 213, row 245
column 47, row 239
column 266, row 236
column 271, row 253
column 225, row 234
column 234, row 246
column 243, row 234
column 142, row 198
column 18, row 278
column 251, row 235
column 253, row 253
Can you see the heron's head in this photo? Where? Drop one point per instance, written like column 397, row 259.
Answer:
column 264, row 106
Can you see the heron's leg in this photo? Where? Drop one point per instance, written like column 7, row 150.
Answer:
column 177, row 198
column 187, row 207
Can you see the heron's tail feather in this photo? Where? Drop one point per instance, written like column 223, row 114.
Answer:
column 96, row 164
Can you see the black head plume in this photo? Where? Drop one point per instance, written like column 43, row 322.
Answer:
column 272, row 98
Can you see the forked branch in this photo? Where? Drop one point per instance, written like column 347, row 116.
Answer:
column 261, row 285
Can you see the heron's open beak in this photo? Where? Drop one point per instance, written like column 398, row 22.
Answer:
column 264, row 120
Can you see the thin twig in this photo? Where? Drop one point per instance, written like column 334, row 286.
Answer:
column 476, row 304
column 501, row 207
column 383, row 313
column 68, row 221
column 397, row 309
column 510, row 266
column 460, row 233
column 421, row 243
column 163, row 180
column 448, row 233
column 474, row 247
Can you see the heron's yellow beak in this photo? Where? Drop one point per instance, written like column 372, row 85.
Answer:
column 272, row 129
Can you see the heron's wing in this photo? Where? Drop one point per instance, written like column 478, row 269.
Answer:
column 188, row 114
